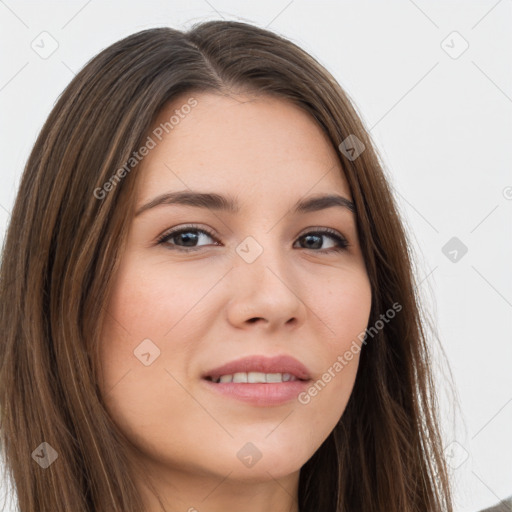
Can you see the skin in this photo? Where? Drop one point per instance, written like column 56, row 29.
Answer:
column 197, row 307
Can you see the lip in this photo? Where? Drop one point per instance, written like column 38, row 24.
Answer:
column 260, row 394
column 263, row 364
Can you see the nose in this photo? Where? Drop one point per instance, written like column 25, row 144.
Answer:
column 265, row 292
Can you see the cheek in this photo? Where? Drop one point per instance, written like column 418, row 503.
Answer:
column 344, row 307
column 152, row 324
column 146, row 305
column 137, row 317
column 139, row 363
column 345, row 310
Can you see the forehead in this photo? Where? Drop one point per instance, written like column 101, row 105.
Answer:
column 256, row 144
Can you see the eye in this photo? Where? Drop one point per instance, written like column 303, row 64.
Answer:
column 188, row 235
column 313, row 238
column 185, row 239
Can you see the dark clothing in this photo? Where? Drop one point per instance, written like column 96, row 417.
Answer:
column 504, row 506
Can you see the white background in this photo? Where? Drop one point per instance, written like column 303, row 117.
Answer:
column 443, row 126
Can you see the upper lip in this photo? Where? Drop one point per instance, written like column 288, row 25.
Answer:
column 263, row 364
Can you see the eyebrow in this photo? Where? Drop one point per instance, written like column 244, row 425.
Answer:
column 229, row 204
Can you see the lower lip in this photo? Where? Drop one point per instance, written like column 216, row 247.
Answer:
column 262, row 394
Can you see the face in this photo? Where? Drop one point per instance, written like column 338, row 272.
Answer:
column 266, row 281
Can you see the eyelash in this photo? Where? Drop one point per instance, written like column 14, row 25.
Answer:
column 162, row 240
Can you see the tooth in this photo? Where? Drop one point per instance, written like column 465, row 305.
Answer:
column 256, row 377
column 240, row 377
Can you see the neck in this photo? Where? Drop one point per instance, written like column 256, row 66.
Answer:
column 171, row 490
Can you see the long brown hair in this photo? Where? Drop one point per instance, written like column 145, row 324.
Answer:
column 61, row 253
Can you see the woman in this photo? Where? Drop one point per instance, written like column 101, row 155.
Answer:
column 280, row 366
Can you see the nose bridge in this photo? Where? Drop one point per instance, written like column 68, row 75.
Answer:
column 262, row 242
column 262, row 270
column 258, row 255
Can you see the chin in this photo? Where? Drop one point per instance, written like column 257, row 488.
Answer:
column 264, row 471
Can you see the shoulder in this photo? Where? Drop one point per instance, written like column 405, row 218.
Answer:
column 503, row 506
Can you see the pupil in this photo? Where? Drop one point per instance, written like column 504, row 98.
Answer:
column 312, row 236
column 187, row 237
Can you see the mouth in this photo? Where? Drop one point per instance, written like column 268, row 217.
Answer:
column 259, row 380
column 254, row 378
column 259, row 369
